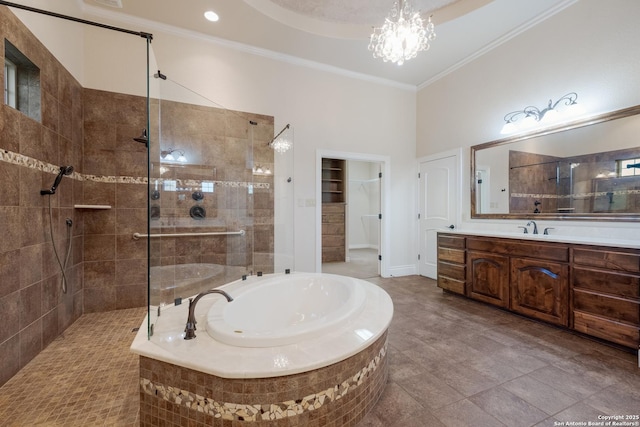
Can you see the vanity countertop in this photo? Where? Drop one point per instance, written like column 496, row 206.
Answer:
column 581, row 240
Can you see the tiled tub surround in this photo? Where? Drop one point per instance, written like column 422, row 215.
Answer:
column 347, row 359
column 339, row 394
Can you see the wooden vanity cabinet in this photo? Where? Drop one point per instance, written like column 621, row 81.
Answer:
column 591, row 289
column 605, row 286
column 488, row 278
column 451, row 263
column 539, row 289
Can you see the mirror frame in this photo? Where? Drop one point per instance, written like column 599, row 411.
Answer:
column 618, row 114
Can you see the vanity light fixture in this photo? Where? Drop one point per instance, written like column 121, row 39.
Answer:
column 281, row 143
column 261, row 170
column 210, row 15
column 531, row 115
column 402, row 35
column 168, row 155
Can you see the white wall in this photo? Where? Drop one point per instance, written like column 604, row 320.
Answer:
column 64, row 39
column 590, row 48
column 363, row 201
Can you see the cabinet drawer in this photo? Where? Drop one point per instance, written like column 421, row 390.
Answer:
column 607, row 329
column 451, row 241
column 538, row 250
column 451, row 255
column 610, row 282
column 453, row 271
column 451, row 285
column 622, row 261
column 619, row 309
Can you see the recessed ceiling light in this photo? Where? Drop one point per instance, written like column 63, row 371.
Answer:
column 211, row 16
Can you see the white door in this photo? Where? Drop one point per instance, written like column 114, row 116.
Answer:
column 438, row 198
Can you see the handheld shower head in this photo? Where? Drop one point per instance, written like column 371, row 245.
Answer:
column 64, row 170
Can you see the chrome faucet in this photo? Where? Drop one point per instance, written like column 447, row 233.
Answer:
column 190, row 329
column 535, row 226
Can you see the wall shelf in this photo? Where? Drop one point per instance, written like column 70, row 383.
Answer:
column 333, row 180
column 95, row 207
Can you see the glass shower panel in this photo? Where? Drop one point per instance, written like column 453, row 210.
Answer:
column 212, row 206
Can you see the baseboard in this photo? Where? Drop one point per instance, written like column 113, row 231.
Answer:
column 403, row 270
column 363, row 246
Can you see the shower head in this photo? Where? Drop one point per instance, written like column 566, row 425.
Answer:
column 142, row 138
column 64, row 170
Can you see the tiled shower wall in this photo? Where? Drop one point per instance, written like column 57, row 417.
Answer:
column 33, row 309
column 115, row 265
column 221, row 147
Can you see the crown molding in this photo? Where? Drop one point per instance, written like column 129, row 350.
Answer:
column 500, row 41
column 241, row 47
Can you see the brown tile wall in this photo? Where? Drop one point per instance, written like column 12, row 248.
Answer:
column 33, row 308
column 218, row 144
column 115, row 265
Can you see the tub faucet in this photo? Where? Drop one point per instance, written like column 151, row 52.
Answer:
column 190, row 329
column 535, row 226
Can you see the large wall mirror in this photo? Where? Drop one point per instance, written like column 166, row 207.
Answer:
column 586, row 169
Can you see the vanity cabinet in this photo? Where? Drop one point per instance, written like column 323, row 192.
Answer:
column 539, row 289
column 594, row 290
column 605, row 286
column 488, row 278
column 451, row 263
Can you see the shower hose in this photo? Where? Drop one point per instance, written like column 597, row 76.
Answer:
column 63, row 267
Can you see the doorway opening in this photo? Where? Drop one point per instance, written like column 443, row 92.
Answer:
column 351, row 212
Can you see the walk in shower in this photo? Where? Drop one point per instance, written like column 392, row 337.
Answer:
column 220, row 195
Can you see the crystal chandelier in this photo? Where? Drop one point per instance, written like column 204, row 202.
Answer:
column 281, row 143
column 402, row 35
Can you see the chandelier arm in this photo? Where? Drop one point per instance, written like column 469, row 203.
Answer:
column 279, row 133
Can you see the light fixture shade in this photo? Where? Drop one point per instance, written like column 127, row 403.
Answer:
column 402, row 35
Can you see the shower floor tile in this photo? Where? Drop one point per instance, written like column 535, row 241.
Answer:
column 453, row 362
column 86, row 377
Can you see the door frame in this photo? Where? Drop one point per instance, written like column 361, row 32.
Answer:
column 457, row 153
column 385, row 167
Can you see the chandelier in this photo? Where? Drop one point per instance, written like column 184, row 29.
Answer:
column 402, row 35
column 531, row 115
column 281, row 143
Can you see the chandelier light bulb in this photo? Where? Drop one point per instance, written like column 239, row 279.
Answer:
column 281, row 145
column 402, row 35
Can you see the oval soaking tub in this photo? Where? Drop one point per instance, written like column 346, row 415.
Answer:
column 312, row 347
column 285, row 309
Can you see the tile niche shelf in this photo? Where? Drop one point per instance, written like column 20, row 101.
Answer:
column 92, row 206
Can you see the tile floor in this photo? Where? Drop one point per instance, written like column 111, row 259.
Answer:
column 362, row 264
column 453, row 362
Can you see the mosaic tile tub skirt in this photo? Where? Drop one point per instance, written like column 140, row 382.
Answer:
column 340, row 394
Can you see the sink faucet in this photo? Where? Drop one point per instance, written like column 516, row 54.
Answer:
column 190, row 329
column 535, row 226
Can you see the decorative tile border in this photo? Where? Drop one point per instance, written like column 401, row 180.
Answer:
column 29, row 162
column 576, row 195
column 262, row 412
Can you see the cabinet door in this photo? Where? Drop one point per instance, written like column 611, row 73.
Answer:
column 488, row 279
column 539, row 289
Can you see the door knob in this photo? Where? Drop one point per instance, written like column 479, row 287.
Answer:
column 452, row 226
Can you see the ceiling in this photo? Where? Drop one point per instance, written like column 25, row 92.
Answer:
column 334, row 34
